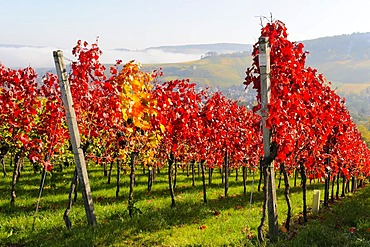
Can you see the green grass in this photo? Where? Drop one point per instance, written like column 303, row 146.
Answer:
column 345, row 223
column 222, row 221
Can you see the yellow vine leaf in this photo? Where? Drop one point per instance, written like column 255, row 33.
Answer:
column 138, row 105
column 163, row 129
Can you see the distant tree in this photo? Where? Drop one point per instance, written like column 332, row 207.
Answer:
column 209, row 54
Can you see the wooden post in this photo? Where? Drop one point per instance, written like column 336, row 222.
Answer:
column 226, row 163
column 264, row 63
column 75, row 137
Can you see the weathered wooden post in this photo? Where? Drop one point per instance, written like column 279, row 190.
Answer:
column 75, row 137
column 264, row 63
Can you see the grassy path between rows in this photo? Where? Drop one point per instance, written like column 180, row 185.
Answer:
column 344, row 223
column 230, row 221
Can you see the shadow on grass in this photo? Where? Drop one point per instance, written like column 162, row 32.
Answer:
column 346, row 222
column 104, row 194
column 116, row 222
column 131, row 231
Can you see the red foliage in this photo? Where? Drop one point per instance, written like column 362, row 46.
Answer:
column 309, row 122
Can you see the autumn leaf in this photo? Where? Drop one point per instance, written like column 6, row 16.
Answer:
column 202, row 227
column 216, row 213
column 352, row 229
column 283, row 229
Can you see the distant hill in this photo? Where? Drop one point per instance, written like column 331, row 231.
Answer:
column 217, row 70
column 354, row 46
column 204, row 48
column 18, row 46
column 341, row 59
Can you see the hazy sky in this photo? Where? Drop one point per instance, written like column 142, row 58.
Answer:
column 138, row 24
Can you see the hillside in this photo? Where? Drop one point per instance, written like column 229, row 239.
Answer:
column 341, row 59
column 344, row 58
column 218, row 70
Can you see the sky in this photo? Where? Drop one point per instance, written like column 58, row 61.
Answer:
column 140, row 24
